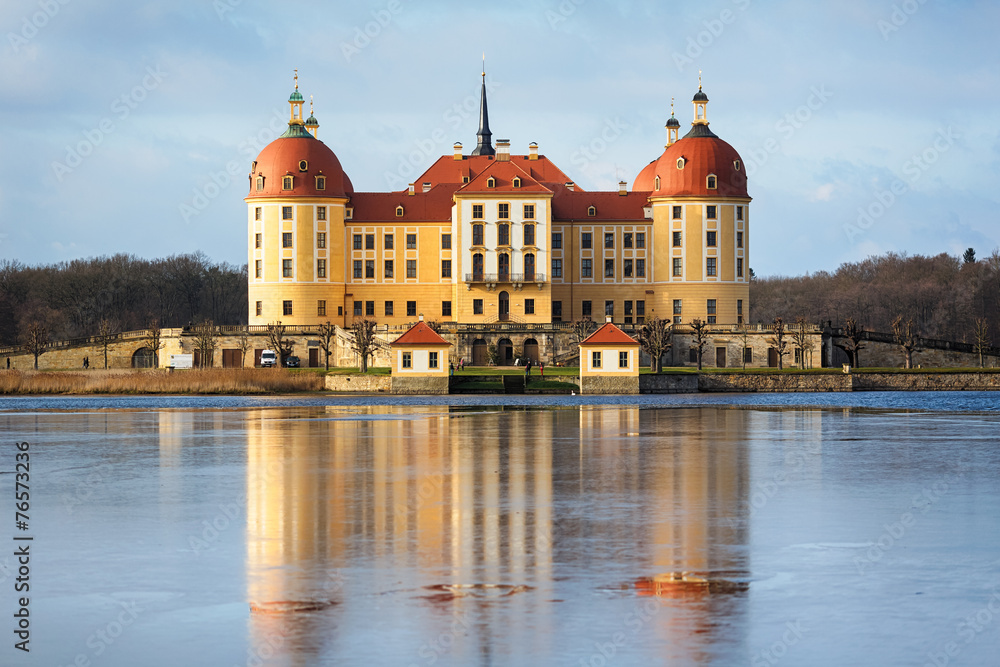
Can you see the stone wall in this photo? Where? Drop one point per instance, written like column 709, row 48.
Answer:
column 773, row 382
column 419, row 385
column 359, row 383
column 609, row 385
column 889, row 355
column 671, row 383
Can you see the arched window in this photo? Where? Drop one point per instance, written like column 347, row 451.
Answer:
column 591, row 211
column 529, row 267
column 657, row 182
column 321, row 182
column 711, row 181
column 517, row 182
column 260, row 183
column 286, row 183
column 491, row 182
column 399, row 211
column 680, row 162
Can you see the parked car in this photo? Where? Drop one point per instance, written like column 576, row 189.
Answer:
column 268, row 359
column 292, row 362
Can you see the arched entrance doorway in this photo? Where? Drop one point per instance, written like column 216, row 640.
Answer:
column 531, row 350
column 504, row 312
column 479, row 353
column 143, row 358
column 505, row 350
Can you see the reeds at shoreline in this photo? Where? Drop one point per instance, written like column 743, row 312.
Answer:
column 127, row 381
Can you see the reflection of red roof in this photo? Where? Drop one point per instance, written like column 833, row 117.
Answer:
column 420, row 334
column 609, row 334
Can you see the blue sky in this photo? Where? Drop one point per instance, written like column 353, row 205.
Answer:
column 866, row 126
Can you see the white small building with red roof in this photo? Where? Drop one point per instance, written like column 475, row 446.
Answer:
column 420, row 361
column 609, row 362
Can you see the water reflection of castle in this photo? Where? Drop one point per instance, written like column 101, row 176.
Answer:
column 434, row 503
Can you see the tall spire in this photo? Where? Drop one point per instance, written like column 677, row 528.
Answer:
column 484, row 136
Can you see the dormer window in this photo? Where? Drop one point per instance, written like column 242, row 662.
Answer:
column 736, row 164
column 710, row 182
column 303, row 165
column 517, row 182
column 286, row 183
column 591, row 211
column 260, row 183
column 491, row 182
column 681, row 162
column 321, row 182
column 399, row 211
column 657, row 183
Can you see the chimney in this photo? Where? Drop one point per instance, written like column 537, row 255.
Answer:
column 570, row 186
column 503, row 150
column 420, row 317
column 622, row 188
column 458, row 150
column 413, row 188
column 607, row 318
column 532, row 151
column 427, row 187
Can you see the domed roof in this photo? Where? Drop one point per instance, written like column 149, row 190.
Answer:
column 673, row 122
column 703, row 154
column 700, row 96
column 286, row 155
column 311, row 121
column 296, row 96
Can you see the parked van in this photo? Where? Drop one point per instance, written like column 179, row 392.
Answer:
column 268, row 359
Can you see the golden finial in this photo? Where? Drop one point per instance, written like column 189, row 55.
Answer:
column 699, row 79
column 310, row 105
column 296, row 78
column 671, row 107
column 484, row 64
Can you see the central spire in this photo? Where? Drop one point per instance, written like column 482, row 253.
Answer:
column 485, row 137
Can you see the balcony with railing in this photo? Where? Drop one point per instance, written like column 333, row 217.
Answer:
column 497, row 278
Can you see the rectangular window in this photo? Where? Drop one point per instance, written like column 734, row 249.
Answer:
column 388, row 308
column 640, row 308
column 411, row 241
column 529, row 306
column 503, row 234
column 710, row 266
column 677, row 213
column 678, row 267
column 357, row 309
column 748, row 355
column 321, row 212
column 623, row 359
column 477, row 306
column 260, row 308
column 321, row 308
column 739, row 267
column 432, row 359
column 628, row 311
column 640, row 268
column 321, row 239
column 286, row 239
column 710, row 239
column 411, row 308
column 609, row 308
column 357, row 242
column 286, row 307
column 585, row 308
column 477, row 211
column 446, row 309
column 739, row 212
column 678, row 305
column 357, row 269
column 677, row 239
column 640, row 239
column 609, row 240
column 411, row 268
column 710, row 308
column 503, row 211
column 321, row 268
column 258, row 268
column 586, row 270
column 388, row 242
column 529, row 211
column 739, row 306
column 557, row 240
column 557, row 311
column 257, row 213
column 388, row 268
column 370, row 268
column 586, row 240
column 407, row 360
column 369, row 308
column 286, row 212
column 739, row 239
column 286, row 268
column 595, row 359
column 627, row 240
column 557, row 268
column 609, row 268
column 446, row 242
column 446, row 268
column 627, row 268
column 369, row 241
column 258, row 240
column 477, row 235
column 529, row 235
column 710, row 212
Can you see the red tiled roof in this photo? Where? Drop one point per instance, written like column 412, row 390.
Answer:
column 567, row 205
column 282, row 156
column 432, row 206
column 609, row 334
column 420, row 334
column 449, row 170
column 703, row 155
column 503, row 173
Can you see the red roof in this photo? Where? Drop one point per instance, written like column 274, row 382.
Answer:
column 609, row 334
column 282, row 156
column 449, row 170
column 420, row 334
column 703, row 155
column 567, row 205
column 432, row 206
column 503, row 175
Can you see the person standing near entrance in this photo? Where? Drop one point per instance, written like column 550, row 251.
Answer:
column 541, row 369
column 527, row 371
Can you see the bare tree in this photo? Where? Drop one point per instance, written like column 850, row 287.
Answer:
column 744, row 334
column 582, row 329
column 906, row 338
column 655, row 337
column 107, row 331
column 36, row 340
column 155, row 340
column 852, row 343
column 327, row 332
column 276, row 339
column 243, row 344
column 981, row 339
column 800, row 338
column 700, row 338
column 778, row 342
column 204, row 336
column 364, row 341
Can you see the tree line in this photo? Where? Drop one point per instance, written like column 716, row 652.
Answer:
column 945, row 297
column 73, row 299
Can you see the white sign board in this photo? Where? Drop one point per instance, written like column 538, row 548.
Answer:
column 182, row 361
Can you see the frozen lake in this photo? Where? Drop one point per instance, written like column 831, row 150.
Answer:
column 799, row 529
